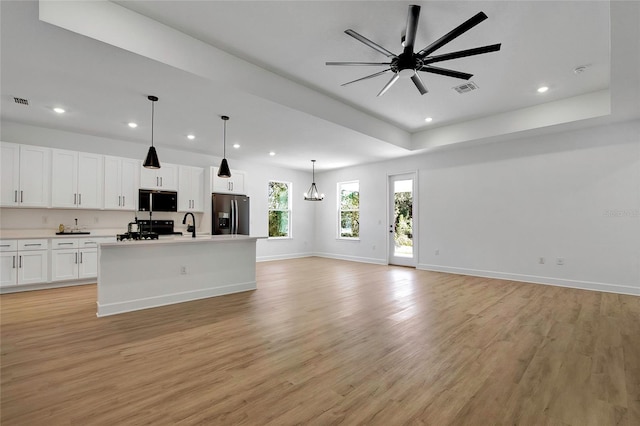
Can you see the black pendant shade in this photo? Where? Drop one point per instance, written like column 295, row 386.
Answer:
column 223, row 170
column 152, row 162
column 312, row 194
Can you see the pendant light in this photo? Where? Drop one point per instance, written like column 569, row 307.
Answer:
column 223, row 170
column 152, row 162
column 312, row 194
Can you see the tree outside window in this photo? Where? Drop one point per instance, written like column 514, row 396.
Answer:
column 279, row 210
column 349, row 209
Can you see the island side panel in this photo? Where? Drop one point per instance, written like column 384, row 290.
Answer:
column 133, row 277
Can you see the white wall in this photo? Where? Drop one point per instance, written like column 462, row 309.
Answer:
column 495, row 209
column 256, row 183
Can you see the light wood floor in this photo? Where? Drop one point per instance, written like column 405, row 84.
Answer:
column 327, row 342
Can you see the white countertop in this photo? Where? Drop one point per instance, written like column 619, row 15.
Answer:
column 25, row 234
column 184, row 239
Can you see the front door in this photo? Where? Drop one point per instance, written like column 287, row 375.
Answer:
column 402, row 232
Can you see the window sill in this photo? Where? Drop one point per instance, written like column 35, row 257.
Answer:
column 279, row 238
column 348, row 239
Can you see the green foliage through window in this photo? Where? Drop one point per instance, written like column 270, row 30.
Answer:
column 349, row 203
column 279, row 209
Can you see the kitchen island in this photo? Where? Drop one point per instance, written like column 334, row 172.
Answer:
column 134, row 275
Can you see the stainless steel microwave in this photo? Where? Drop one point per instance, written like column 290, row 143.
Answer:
column 157, row 201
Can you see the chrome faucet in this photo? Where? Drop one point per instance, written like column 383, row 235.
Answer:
column 191, row 228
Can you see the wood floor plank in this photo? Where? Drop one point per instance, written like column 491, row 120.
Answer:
column 324, row 341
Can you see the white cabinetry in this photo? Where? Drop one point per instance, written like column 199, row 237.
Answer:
column 76, row 179
column 23, row 262
column 232, row 185
column 165, row 178
column 191, row 189
column 121, row 183
column 73, row 259
column 25, row 176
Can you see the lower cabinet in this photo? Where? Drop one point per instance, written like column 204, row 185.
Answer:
column 75, row 259
column 23, row 262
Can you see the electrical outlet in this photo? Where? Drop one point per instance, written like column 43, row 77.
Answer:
column 541, row 260
column 560, row 261
column 183, row 270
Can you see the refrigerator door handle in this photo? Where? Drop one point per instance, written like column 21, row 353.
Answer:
column 236, row 216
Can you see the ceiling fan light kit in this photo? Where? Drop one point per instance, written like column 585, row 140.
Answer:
column 407, row 64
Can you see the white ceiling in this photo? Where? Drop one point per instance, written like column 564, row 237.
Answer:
column 103, row 86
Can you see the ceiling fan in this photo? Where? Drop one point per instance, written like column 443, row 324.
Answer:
column 407, row 64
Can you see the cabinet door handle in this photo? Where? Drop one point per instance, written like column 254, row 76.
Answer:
column 79, row 199
column 123, row 201
column 19, row 261
column 75, row 199
column 33, row 244
column 15, row 195
column 76, row 257
column 5, row 245
column 160, row 180
column 21, row 194
column 14, row 262
column 119, row 200
column 80, row 257
column 65, row 244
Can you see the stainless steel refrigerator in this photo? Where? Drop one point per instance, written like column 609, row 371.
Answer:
column 229, row 214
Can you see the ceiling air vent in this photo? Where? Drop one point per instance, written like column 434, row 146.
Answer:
column 21, row 101
column 466, row 87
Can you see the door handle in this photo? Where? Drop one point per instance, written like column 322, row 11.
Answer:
column 19, row 261
column 123, row 204
column 119, row 200
column 79, row 199
column 161, row 181
column 76, row 258
column 14, row 262
column 33, row 244
column 75, row 199
column 15, row 195
column 80, row 257
column 21, row 194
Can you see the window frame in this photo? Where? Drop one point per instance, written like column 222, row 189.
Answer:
column 340, row 210
column 288, row 210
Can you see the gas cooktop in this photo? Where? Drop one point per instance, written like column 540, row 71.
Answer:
column 144, row 235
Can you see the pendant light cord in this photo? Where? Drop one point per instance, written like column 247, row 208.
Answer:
column 153, row 104
column 224, row 140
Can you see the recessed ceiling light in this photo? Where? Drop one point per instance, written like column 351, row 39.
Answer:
column 236, row 145
column 59, row 110
column 133, row 125
column 272, row 153
column 542, row 89
column 191, row 137
column 428, row 119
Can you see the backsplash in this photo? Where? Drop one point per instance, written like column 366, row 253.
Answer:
column 50, row 219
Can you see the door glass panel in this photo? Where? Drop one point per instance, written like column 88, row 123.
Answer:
column 403, row 218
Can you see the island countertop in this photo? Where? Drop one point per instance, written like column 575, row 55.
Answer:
column 183, row 239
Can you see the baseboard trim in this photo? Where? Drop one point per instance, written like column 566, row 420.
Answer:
column 535, row 279
column 352, row 258
column 282, row 257
column 169, row 299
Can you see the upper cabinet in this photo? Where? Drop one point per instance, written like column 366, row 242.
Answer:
column 121, row 183
column 232, row 185
column 164, row 178
column 191, row 189
column 25, row 176
column 76, row 179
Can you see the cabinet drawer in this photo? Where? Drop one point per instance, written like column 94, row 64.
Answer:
column 93, row 242
column 26, row 245
column 8, row 245
column 64, row 243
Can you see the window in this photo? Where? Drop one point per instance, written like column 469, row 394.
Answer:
column 349, row 209
column 279, row 210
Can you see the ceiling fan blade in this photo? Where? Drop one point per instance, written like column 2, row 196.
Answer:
column 447, row 72
column 412, row 26
column 367, row 77
column 456, row 32
column 461, row 53
column 395, row 77
column 363, row 39
column 357, row 63
column 418, row 82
